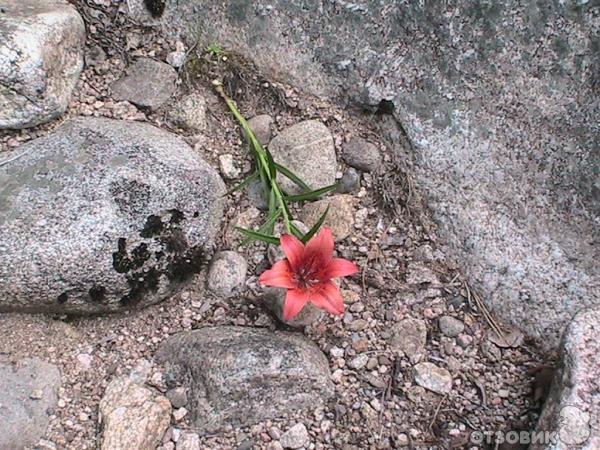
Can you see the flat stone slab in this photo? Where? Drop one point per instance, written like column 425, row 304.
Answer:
column 146, row 83
column 29, row 391
column 239, row 376
column 103, row 215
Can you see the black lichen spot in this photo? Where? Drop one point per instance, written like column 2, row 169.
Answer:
column 139, row 256
column 155, row 7
column 176, row 216
column 196, row 214
column 385, row 107
column 97, row 293
column 153, row 226
column 187, row 265
column 175, row 242
column 62, row 298
column 139, row 284
column 159, row 255
column 121, row 262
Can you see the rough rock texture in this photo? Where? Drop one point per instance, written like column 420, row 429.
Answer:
column 41, row 57
column 499, row 101
column 189, row 113
column 295, row 437
column 239, row 376
column 227, row 273
column 307, row 150
column 572, row 410
column 362, row 154
column 133, row 417
column 29, row 391
column 340, row 217
column 262, row 126
column 410, row 337
column 146, row 83
column 103, row 215
column 432, row 377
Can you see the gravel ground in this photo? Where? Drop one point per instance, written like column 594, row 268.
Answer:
column 372, row 350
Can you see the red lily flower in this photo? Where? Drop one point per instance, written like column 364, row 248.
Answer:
column 307, row 273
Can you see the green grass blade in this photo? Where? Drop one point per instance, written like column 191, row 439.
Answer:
column 267, row 227
column 295, row 231
column 271, row 163
column 255, row 235
column 295, row 178
column 316, row 227
column 245, row 182
column 312, row 195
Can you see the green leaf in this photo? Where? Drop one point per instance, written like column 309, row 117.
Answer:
column 289, row 174
column 267, row 227
column 295, row 231
column 312, row 195
column 245, row 182
column 273, row 212
column 316, row 226
column 271, row 163
column 255, row 235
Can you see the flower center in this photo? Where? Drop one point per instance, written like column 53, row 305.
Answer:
column 307, row 275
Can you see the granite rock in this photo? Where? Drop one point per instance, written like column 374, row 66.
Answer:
column 103, row 215
column 41, row 58
column 240, row 376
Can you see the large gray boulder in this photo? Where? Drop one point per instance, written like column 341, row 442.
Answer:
column 29, row 392
column 41, row 57
column 102, row 215
column 571, row 414
column 239, row 376
column 499, row 101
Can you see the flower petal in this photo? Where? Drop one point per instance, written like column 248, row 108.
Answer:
column 293, row 249
column 295, row 301
column 322, row 245
column 280, row 275
column 340, row 267
column 328, row 297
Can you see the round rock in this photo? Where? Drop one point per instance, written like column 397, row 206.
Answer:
column 362, row 154
column 262, row 127
column 450, row 326
column 307, row 149
column 239, row 376
column 189, row 113
column 349, row 182
column 102, row 215
column 227, row 273
column 295, row 437
column 41, row 58
column 340, row 217
column 146, row 83
column 432, row 377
